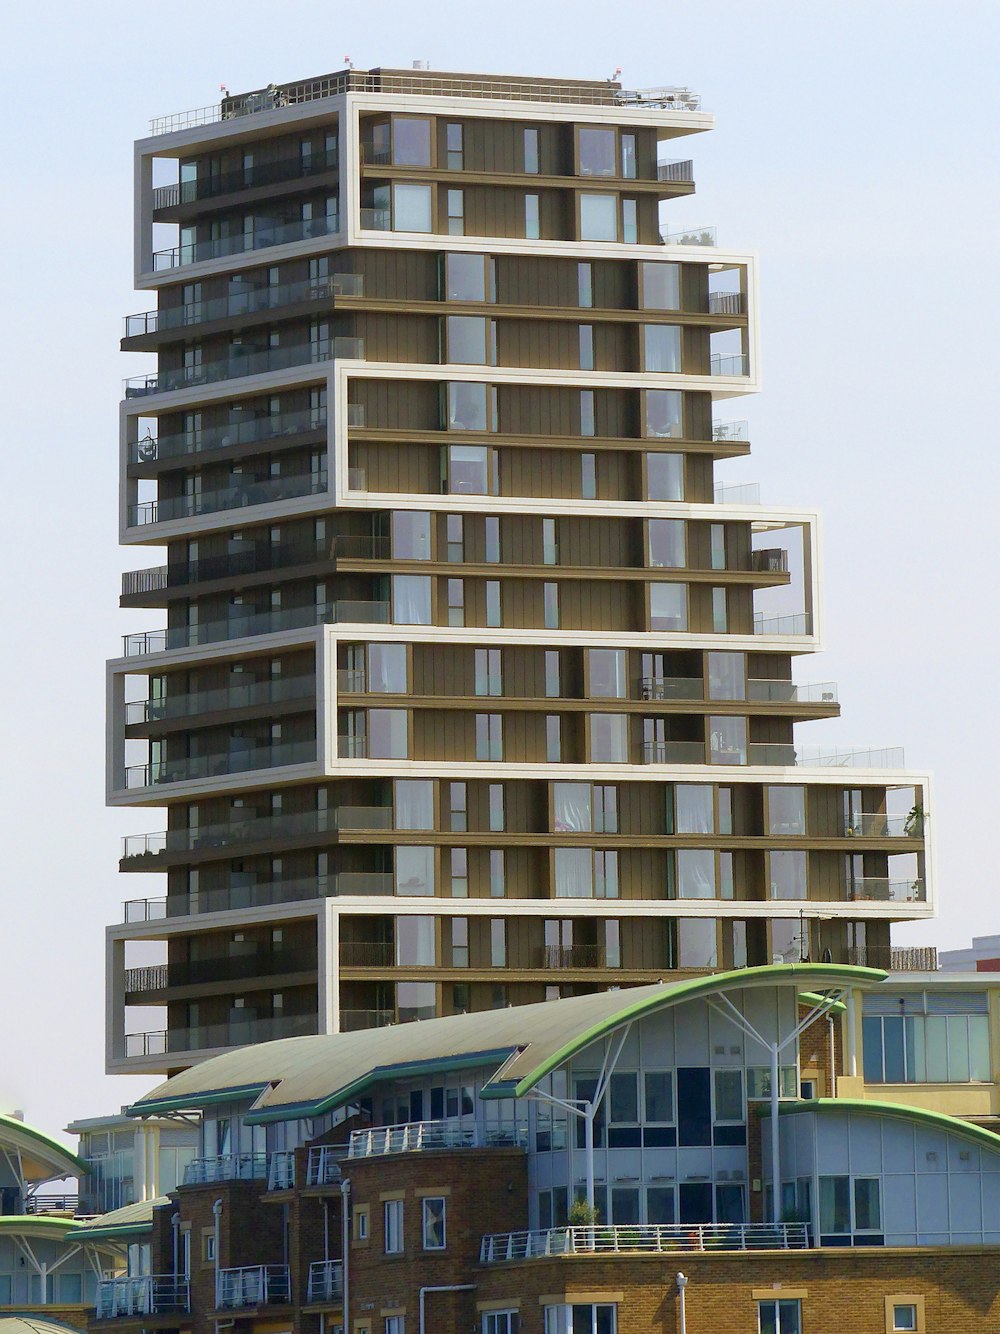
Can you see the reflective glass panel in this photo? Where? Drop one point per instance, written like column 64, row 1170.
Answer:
column 465, row 278
column 661, row 344
column 788, row 874
column 666, row 543
column 608, row 677
column 467, row 339
column 663, row 414
column 668, row 606
column 411, row 535
column 411, row 599
column 411, row 208
column 661, row 286
column 597, row 152
column 468, row 406
column 695, row 873
column 786, row 809
column 728, row 738
column 411, row 141
column 726, row 676
column 696, row 946
column 694, row 808
column 598, row 218
column 609, row 738
column 387, row 734
column 414, row 803
column 571, row 808
column 387, row 669
column 665, row 476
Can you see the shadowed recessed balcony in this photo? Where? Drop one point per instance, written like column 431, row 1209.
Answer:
column 257, row 623
column 248, row 491
column 247, row 363
column 244, row 299
column 262, row 236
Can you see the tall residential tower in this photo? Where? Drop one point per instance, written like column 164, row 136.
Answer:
column 476, row 684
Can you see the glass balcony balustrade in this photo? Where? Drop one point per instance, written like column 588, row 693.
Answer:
column 259, row 829
column 277, row 691
column 221, row 764
column 250, row 362
column 204, row 1037
column 244, row 299
column 152, row 449
column 263, row 235
column 261, row 894
column 245, row 491
column 212, row 185
column 273, row 621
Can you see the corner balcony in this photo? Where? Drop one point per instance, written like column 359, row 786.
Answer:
column 257, row 623
column 248, row 363
column 263, row 894
column 323, row 1164
column 259, row 829
column 878, row 825
column 797, row 623
column 250, row 492
column 206, row 1037
column 281, row 690
column 150, row 1294
column 501, row 1247
column 247, row 178
column 206, row 439
column 220, row 765
column 226, row 1167
column 261, row 238
column 326, row 1282
column 880, row 889
column 252, row 301
column 420, row 1136
column 252, row 1286
column 689, row 236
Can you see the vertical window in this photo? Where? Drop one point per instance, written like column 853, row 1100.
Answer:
column 585, row 284
column 607, row 673
column 456, row 602
column 412, row 210
column 492, row 540
column 717, row 533
column 493, row 611
column 553, row 738
column 630, row 221
column 586, row 347
column 434, row 1206
column 666, row 543
column 668, row 607
column 531, row 151
column 550, row 601
column 665, row 476
column 393, row 1223
column 661, row 348
column 728, row 740
column 489, row 736
column 459, row 873
column 532, row 225
column 587, row 418
column 498, row 943
column 458, row 802
column 612, row 943
column 588, row 476
column 465, row 278
column 596, row 151
column 411, row 141
column 550, row 546
column 496, row 811
column 726, row 676
column 467, row 339
column 660, row 285
column 459, row 942
column 455, row 537
column 552, row 690
column 598, row 217
column 663, row 414
column 628, row 157
column 489, row 680
column 720, row 611
column 454, row 142
column 456, row 213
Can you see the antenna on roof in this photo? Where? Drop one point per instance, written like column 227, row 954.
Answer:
column 616, row 75
column 348, row 62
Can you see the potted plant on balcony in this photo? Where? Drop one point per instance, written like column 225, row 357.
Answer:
column 913, row 825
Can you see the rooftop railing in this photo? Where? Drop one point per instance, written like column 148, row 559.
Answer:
column 281, row 689
column 252, row 491
column 208, row 438
column 257, row 623
column 217, row 766
column 326, row 1281
column 252, row 1286
column 226, row 1167
column 245, row 300
column 150, row 1294
column 276, row 98
column 600, row 1239
column 690, row 236
column 247, row 363
column 323, row 1164
column 50, row 1203
column 264, row 235
column 246, row 178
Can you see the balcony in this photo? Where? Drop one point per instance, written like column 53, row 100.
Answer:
column 256, row 829
column 851, row 757
column 881, row 889
column 261, row 895
column 736, row 493
column 769, row 560
column 252, row 1286
column 262, row 237
column 676, row 170
column 690, row 236
column 729, row 363
column 257, row 623
column 649, row 1238
column 367, row 954
column 226, row 1167
column 256, row 962
column 726, row 303
column 376, row 220
column 281, row 690
column 879, row 825
column 323, row 1164
column 249, row 492
column 673, row 752
column 789, row 692
column 772, row 752
column 161, row 1042
column 574, row 956
column 326, row 1281
column 150, row 1294
column 353, row 1021
column 670, row 687
column 220, row 765
column 895, row 959
column 418, row 1136
column 735, row 430
column 281, row 1170
column 247, row 178
column 258, row 362
column 248, row 301
column 208, row 438
column 797, row 623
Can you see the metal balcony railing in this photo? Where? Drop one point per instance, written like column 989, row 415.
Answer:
column 248, row 300
column 280, row 690
column 205, row 439
column 670, row 687
column 601, row 1239
column 152, row 977
column 676, row 170
column 736, row 493
column 376, row 220
column 299, row 168
column 894, row 958
column 735, row 430
column 241, row 1033
column 769, row 560
column 883, row 889
column 263, row 235
column 257, row 828
column 252, row 362
column 252, row 1286
column 150, row 1294
column 323, row 1164
column 49, row 1203
column 852, row 757
column 326, row 1281
column 673, row 752
column 574, row 956
column 772, row 752
column 226, row 1167
column 352, row 1021
column 248, row 491
column 419, row 1136
column 281, row 1170
column 257, row 623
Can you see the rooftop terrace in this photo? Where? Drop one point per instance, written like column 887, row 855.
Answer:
column 430, row 83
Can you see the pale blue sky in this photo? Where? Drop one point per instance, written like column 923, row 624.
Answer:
column 855, row 149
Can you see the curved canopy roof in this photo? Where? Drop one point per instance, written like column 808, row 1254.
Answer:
column 921, row 1116
column 131, row 1220
column 40, row 1225
column 29, row 1324
column 296, row 1077
column 42, row 1157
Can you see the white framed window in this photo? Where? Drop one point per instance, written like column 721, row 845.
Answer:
column 501, row 1322
column 434, row 1228
column 589, row 1318
column 395, row 1324
column 783, row 1316
column 392, row 1214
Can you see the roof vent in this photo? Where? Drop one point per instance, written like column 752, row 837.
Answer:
column 421, row 64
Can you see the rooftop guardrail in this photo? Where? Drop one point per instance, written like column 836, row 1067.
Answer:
column 599, row 1239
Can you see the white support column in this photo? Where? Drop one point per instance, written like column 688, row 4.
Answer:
column 328, row 967
column 775, row 1149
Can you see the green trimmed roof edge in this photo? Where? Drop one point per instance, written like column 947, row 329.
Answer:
column 185, row 1102
column 903, row 1111
column 689, row 990
column 38, row 1222
column 814, row 998
column 91, row 1233
column 463, row 1061
column 52, row 1145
